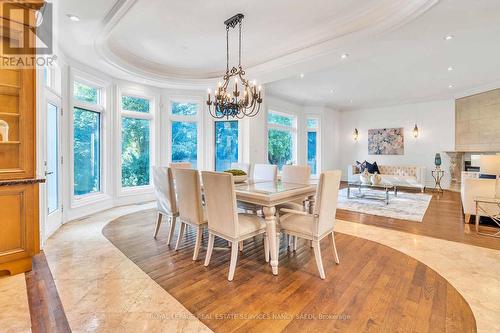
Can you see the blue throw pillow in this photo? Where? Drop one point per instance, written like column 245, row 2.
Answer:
column 485, row 176
column 375, row 168
column 372, row 167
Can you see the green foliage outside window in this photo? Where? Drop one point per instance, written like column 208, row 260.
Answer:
column 85, row 93
column 135, row 152
column 280, row 147
column 185, row 142
column 135, row 104
column 184, row 109
column 86, row 151
column 274, row 118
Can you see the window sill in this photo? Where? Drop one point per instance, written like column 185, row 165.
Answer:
column 81, row 201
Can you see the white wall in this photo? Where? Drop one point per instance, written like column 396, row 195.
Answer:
column 436, row 121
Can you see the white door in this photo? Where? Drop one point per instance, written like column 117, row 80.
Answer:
column 53, row 168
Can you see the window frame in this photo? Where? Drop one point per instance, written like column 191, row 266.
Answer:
column 101, row 108
column 292, row 129
column 198, row 119
column 151, row 117
column 317, row 130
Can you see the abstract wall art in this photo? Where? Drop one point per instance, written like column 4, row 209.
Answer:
column 386, row 141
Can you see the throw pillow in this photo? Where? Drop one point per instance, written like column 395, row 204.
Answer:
column 372, row 167
column 375, row 168
column 361, row 166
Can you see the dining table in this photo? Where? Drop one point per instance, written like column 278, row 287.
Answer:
column 269, row 194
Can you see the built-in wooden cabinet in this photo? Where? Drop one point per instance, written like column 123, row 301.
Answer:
column 19, row 204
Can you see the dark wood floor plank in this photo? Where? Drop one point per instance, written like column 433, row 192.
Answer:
column 46, row 310
column 374, row 289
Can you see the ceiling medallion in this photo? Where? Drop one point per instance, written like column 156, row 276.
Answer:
column 243, row 101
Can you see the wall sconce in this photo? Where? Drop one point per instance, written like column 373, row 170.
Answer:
column 415, row 131
column 355, row 134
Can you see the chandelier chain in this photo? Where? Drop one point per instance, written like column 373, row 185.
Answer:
column 239, row 61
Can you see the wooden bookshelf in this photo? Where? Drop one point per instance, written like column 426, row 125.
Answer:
column 19, row 216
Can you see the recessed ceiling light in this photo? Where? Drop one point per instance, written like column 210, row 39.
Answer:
column 450, row 86
column 332, row 90
column 449, row 37
column 301, row 75
column 344, row 56
column 73, row 18
column 350, row 101
column 450, row 69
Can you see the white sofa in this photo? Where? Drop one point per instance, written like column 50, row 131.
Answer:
column 472, row 187
column 403, row 176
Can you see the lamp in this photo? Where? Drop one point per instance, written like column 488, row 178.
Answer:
column 415, row 131
column 355, row 134
column 490, row 165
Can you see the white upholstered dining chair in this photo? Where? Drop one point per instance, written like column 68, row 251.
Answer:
column 191, row 212
column 315, row 227
column 265, row 172
column 224, row 221
column 181, row 165
column 163, row 183
column 241, row 166
column 297, row 174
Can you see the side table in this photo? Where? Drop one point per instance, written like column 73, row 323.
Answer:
column 438, row 175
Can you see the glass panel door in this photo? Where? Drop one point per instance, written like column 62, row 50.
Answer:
column 53, row 158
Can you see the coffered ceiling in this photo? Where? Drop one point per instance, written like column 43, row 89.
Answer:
column 396, row 48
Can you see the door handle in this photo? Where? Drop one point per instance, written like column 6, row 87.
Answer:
column 48, row 173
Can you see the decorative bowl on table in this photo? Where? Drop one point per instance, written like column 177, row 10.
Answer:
column 365, row 177
column 239, row 176
column 376, row 178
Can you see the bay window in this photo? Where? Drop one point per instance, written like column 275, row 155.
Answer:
column 87, row 137
column 136, row 118
column 226, row 144
column 313, row 144
column 184, row 129
column 281, row 138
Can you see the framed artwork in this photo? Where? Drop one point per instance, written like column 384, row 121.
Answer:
column 386, row 141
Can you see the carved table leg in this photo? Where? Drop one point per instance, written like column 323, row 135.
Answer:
column 269, row 214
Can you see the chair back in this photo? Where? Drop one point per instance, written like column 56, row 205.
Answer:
column 164, row 190
column 326, row 201
column 298, row 174
column 188, row 190
column 241, row 166
column 220, row 201
column 181, row 165
column 265, row 172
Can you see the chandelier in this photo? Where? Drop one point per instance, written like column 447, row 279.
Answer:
column 245, row 98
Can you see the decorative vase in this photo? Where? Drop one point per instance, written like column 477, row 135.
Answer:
column 4, row 131
column 364, row 177
column 437, row 160
column 376, row 178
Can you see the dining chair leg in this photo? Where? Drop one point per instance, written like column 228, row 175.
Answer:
column 241, row 246
column 319, row 261
column 211, row 239
column 311, row 243
column 158, row 222
column 199, row 234
column 295, row 240
column 234, row 259
column 277, row 244
column 266, row 248
column 179, row 237
column 171, row 229
column 335, row 253
column 289, row 242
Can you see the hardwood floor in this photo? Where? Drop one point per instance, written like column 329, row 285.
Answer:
column 375, row 288
column 443, row 219
column 46, row 310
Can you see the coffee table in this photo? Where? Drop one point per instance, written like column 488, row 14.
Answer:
column 386, row 186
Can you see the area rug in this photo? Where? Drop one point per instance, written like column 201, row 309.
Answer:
column 406, row 206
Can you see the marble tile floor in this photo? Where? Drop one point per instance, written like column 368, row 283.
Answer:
column 14, row 308
column 103, row 291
